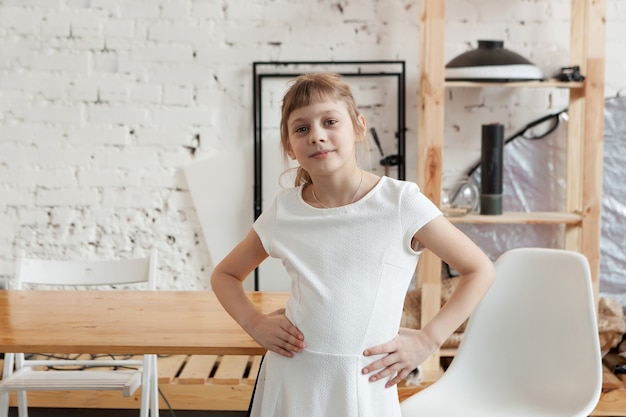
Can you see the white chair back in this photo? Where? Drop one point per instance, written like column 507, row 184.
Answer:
column 530, row 349
column 86, row 273
column 20, row 374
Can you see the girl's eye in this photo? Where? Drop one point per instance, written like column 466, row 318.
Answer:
column 301, row 129
column 331, row 121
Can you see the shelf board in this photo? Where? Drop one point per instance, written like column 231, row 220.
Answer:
column 449, row 352
column 543, row 217
column 515, row 84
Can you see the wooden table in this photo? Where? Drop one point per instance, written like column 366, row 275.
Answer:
column 125, row 322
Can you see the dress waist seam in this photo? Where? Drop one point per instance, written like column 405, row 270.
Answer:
column 345, row 355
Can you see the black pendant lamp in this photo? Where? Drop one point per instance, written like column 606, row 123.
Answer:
column 491, row 62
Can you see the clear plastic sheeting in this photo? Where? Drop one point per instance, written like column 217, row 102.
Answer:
column 613, row 252
column 531, row 165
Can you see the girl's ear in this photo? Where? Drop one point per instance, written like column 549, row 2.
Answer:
column 290, row 152
column 361, row 129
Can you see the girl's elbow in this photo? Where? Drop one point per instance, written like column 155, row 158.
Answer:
column 489, row 273
column 217, row 277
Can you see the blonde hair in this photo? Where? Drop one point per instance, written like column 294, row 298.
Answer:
column 311, row 88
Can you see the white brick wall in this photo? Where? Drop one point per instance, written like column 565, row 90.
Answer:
column 103, row 101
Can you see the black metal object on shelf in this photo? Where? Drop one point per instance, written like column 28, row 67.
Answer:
column 569, row 74
column 492, row 155
column 387, row 160
column 491, row 62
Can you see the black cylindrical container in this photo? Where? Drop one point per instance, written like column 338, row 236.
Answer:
column 492, row 152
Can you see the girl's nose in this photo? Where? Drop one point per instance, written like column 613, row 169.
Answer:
column 317, row 135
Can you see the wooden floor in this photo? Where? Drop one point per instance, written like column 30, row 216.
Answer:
column 215, row 383
column 90, row 412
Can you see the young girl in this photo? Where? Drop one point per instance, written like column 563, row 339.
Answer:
column 350, row 241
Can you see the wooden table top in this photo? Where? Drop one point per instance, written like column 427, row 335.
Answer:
column 125, row 322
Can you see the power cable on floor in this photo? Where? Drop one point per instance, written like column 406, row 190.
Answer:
column 169, row 406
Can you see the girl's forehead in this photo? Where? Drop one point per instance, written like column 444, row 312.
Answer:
column 321, row 104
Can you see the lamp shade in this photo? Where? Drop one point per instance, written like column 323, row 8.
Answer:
column 491, row 62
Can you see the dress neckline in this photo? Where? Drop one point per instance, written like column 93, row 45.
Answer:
column 330, row 209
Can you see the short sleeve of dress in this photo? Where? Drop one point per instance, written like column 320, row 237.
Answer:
column 416, row 210
column 265, row 225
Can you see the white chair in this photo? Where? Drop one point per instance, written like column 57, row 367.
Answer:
column 18, row 373
column 531, row 348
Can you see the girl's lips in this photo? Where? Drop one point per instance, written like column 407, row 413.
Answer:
column 320, row 154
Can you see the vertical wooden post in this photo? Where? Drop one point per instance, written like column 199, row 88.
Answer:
column 429, row 146
column 586, row 132
column 576, row 126
column 593, row 134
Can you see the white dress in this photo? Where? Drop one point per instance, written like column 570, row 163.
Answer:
column 350, row 268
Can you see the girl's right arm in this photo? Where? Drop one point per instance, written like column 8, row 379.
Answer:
column 272, row 331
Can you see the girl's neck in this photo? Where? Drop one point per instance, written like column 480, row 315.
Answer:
column 328, row 192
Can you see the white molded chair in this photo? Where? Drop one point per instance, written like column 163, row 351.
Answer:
column 19, row 373
column 531, row 348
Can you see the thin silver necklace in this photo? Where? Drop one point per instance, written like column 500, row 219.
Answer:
column 353, row 197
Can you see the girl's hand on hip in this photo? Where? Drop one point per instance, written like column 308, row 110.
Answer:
column 276, row 333
column 402, row 355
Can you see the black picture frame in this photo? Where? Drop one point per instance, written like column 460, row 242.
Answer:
column 265, row 70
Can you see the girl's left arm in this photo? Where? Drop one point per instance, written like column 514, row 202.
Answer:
column 411, row 347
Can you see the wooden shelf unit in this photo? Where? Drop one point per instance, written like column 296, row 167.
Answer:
column 584, row 152
column 537, row 217
column 516, row 84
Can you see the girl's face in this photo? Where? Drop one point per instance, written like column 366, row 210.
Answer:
column 322, row 137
